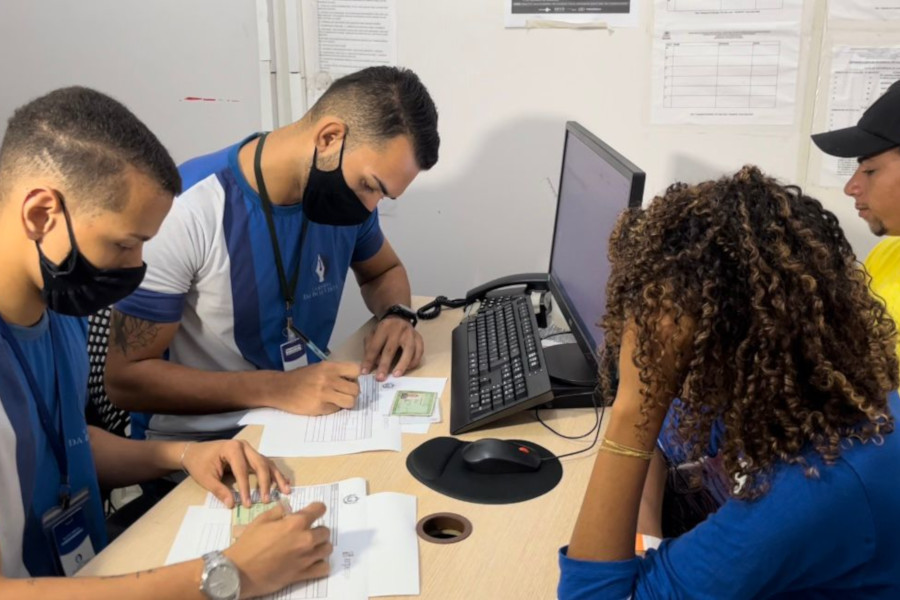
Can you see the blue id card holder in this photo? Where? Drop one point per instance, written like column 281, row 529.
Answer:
column 68, row 535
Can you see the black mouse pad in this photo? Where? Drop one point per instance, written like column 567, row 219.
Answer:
column 438, row 464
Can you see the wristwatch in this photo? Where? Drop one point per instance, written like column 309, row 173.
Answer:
column 402, row 311
column 221, row 579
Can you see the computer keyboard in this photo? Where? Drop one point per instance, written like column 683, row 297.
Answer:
column 498, row 364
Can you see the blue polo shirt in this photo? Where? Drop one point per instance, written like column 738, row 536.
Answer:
column 211, row 268
column 56, row 352
column 832, row 536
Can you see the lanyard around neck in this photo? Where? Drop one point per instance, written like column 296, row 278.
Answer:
column 288, row 288
column 54, row 437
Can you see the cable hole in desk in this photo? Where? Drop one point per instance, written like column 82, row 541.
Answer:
column 444, row 528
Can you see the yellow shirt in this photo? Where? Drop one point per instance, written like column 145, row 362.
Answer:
column 883, row 264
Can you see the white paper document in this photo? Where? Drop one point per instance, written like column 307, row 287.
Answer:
column 388, row 389
column 361, row 429
column 344, row 36
column 716, row 13
column 203, row 530
column 574, row 13
column 859, row 75
column 725, row 76
column 355, row 34
column 374, row 537
column 864, row 10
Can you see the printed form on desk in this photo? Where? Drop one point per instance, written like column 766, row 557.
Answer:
column 369, row 426
column 360, row 429
column 376, row 550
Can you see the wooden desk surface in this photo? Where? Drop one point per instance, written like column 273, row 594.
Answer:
column 512, row 552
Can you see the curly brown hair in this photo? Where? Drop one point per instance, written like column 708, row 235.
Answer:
column 786, row 347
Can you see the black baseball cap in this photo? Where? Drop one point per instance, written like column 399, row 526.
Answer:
column 877, row 130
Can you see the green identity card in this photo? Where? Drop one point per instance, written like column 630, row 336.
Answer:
column 241, row 516
column 413, row 404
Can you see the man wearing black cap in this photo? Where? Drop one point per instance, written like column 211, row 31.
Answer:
column 875, row 142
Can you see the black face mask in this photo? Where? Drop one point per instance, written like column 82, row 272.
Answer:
column 78, row 288
column 328, row 199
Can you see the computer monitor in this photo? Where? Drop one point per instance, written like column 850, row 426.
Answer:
column 596, row 185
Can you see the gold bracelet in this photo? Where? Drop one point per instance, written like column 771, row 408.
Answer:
column 622, row 450
column 181, row 460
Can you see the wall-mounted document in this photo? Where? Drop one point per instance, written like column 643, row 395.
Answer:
column 725, row 62
column 859, row 75
column 864, row 10
column 374, row 538
column 343, row 36
column 571, row 13
column 716, row 13
column 725, row 76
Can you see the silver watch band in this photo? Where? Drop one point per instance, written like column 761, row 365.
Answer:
column 221, row 579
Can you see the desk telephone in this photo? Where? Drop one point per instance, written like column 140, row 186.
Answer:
column 513, row 285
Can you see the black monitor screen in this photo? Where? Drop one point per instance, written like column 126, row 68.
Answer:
column 596, row 185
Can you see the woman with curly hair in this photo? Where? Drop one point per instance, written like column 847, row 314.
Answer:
column 743, row 299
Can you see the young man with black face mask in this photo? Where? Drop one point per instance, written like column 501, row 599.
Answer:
column 246, row 274
column 83, row 185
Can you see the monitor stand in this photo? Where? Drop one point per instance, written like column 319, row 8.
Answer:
column 572, row 378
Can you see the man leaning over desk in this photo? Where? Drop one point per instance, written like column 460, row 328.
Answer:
column 245, row 277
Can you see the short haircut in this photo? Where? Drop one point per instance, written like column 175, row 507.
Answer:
column 88, row 139
column 380, row 103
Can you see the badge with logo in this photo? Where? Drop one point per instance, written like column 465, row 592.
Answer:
column 66, row 529
column 321, row 268
column 293, row 355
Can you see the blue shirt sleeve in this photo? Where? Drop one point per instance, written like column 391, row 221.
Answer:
column 671, row 444
column 803, row 533
column 369, row 239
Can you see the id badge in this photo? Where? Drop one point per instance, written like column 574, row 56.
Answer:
column 293, row 355
column 68, row 535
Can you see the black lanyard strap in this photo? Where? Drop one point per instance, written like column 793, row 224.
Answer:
column 55, row 438
column 288, row 288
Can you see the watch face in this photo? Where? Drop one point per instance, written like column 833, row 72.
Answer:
column 223, row 582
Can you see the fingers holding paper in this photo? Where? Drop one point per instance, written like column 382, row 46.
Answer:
column 209, row 462
column 319, row 389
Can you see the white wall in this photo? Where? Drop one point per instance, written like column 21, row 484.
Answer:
column 149, row 54
column 504, row 95
column 487, row 208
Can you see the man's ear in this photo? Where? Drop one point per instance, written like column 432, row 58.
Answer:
column 330, row 134
column 41, row 210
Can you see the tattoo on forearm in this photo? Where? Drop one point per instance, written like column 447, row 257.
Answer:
column 129, row 333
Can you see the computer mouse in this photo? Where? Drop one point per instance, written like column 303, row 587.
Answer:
column 495, row 457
